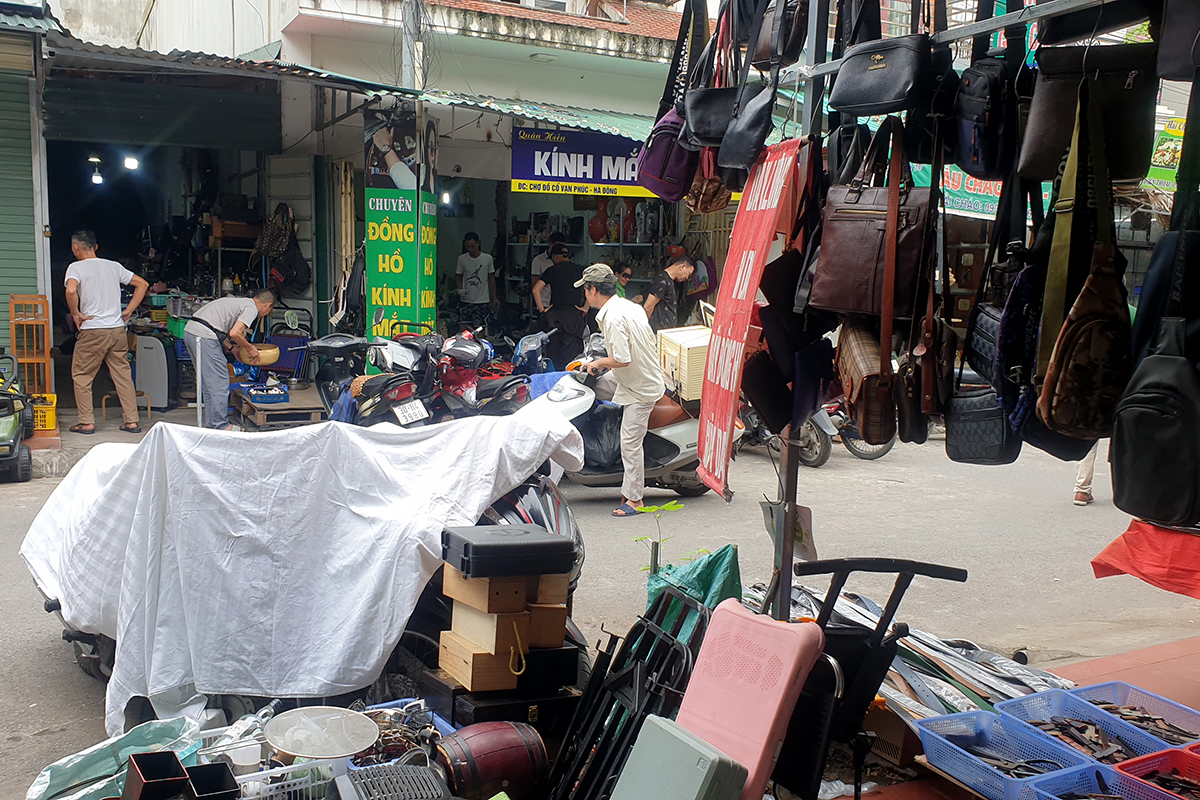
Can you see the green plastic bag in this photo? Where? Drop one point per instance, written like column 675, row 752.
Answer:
column 709, row 579
column 99, row 771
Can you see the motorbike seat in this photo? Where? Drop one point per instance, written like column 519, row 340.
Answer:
column 667, row 412
column 490, row 387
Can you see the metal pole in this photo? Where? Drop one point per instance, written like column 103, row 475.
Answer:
column 785, row 540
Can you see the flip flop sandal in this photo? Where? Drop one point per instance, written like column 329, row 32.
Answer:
column 81, row 429
column 625, row 510
column 134, row 429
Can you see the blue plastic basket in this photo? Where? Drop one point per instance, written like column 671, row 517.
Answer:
column 1057, row 703
column 1126, row 694
column 942, row 736
column 1083, row 781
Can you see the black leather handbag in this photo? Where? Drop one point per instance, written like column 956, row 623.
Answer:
column 1121, row 79
column 977, row 431
column 1181, row 27
column 794, row 27
column 709, row 109
column 1110, row 16
column 753, row 114
column 883, row 76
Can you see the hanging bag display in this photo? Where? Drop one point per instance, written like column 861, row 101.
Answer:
column 977, row 430
column 1156, row 437
column 1124, row 87
column 753, row 114
column 664, row 165
column 714, row 89
column 883, row 77
column 1112, row 15
column 793, row 24
column 1180, row 30
column 851, row 275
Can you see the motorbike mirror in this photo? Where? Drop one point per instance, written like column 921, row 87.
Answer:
column 509, row 342
column 291, row 319
column 378, row 316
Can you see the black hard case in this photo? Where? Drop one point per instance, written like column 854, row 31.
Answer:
column 488, row 551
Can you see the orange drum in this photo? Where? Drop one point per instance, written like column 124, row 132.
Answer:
column 485, row 759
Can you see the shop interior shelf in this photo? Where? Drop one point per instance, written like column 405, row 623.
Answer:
column 1057, row 703
column 945, row 737
column 1087, row 780
column 1179, row 761
column 1126, row 694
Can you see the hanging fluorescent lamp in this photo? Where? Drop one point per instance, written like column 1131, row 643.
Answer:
column 131, row 162
column 445, row 198
column 94, row 159
column 97, row 178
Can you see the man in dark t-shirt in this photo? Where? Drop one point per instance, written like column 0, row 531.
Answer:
column 662, row 299
column 561, row 277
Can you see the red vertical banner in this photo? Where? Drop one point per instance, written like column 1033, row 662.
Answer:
column 758, row 218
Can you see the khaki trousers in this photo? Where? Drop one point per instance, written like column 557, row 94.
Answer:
column 92, row 348
column 635, row 421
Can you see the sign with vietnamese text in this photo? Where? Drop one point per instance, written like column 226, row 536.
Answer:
column 1164, row 162
column 401, row 219
column 754, row 229
column 575, row 162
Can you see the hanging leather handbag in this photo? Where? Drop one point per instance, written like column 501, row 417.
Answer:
column 850, row 277
column 708, row 193
column 977, row 431
column 713, row 88
column 1176, row 42
column 1112, row 15
column 865, row 370
column 883, row 76
column 793, row 22
column 1121, row 81
column 753, row 115
column 983, row 323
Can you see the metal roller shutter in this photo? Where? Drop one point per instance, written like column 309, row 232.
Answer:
column 18, row 258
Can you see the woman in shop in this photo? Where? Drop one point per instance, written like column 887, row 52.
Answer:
column 429, row 157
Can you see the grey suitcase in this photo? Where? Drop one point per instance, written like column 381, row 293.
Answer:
column 670, row 763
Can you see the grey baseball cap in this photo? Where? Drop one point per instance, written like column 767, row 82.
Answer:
column 597, row 273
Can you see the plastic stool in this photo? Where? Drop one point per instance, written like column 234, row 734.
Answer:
column 113, row 396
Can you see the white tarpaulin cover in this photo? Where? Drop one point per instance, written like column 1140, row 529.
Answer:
column 278, row 564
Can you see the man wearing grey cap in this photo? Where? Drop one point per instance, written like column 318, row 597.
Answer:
column 633, row 359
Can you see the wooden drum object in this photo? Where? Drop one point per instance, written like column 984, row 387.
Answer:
column 485, row 759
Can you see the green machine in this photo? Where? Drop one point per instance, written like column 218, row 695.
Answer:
column 16, row 424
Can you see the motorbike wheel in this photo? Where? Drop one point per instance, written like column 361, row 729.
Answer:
column 690, row 488
column 868, row 452
column 815, row 445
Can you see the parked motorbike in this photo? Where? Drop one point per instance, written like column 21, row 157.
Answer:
column 529, row 355
column 838, row 415
column 815, row 435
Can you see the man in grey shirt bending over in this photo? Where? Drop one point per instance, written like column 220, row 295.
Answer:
column 230, row 317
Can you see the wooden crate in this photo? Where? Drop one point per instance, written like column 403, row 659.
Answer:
column 303, row 408
column 496, row 633
column 682, row 353
column 474, row 667
column 549, row 589
column 499, row 595
column 547, row 625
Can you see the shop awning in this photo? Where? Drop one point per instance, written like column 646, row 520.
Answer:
column 615, row 123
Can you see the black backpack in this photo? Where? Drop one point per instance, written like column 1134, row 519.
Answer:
column 986, row 130
column 290, row 272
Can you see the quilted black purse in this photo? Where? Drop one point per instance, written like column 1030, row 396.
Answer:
column 977, row 430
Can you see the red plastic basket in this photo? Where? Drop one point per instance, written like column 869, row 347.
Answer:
column 1181, row 761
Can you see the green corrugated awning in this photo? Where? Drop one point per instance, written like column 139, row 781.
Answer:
column 29, row 22
column 615, row 123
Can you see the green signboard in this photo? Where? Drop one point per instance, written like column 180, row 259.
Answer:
column 1165, row 159
column 401, row 218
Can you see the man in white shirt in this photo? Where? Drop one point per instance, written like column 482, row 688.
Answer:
column 633, row 359
column 542, row 262
column 94, row 297
column 476, row 283
column 213, row 329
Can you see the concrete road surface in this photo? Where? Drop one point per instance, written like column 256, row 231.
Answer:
column 1026, row 547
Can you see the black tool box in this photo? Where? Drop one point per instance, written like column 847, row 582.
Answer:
column 486, row 551
column 440, row 690
column 549, row 668
column 550, row 714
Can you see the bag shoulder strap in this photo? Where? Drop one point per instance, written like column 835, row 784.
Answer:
column 1055, row 299
column 891, row 243
column 776, row 50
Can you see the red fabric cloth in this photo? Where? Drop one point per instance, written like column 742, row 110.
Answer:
column 1161, row 557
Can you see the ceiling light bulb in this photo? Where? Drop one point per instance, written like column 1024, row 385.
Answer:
column 445, row 198
column 94, row 159
column 97, row 178
column 131, row 162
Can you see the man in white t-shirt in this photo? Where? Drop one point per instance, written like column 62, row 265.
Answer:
column 94, row 297
column 213, row 329
column 476, row 283
column 543, row 261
